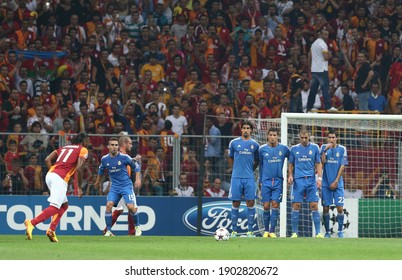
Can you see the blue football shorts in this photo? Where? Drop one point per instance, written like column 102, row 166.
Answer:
column 116, row 194
column 305, row 188
column 333, row 197
column 272, row 190
column 242, row 187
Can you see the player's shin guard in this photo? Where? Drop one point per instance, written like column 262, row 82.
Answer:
column 295, row 221
column 250, row 218
column 316, row 221
column 56, row 218
column 267, row 216
column 108, row 220
column 274, row 219
column 235, row 217
column 325, row 218
column 45, row 214
column 340, row 218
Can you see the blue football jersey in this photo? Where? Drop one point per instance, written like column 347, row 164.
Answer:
column 244, row 154
column 334, row 159
column 304, row 159
column 272, row 160
column 117, row 169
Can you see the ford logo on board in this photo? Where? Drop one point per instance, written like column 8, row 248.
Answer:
column 217, row 214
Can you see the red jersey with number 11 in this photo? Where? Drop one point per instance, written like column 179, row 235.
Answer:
column 66, row 162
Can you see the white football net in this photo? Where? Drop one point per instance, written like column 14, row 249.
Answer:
column 374, row 147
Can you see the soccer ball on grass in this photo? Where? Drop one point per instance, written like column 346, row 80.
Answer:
column 221, row 234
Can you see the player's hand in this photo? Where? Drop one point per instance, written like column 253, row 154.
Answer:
column 334, row 185
column 80, row 193
column 137, row 184
column 290, row 180
column 319, row 184
column 138, row 158
column 329, row 146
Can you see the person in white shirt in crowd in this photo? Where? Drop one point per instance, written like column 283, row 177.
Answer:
column 45, row 121
column 179, row 122
column 83, row 98
column 183, row 189
column 318, row 58
column 351, row 189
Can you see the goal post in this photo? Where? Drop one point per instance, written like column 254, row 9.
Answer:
column 374, row 147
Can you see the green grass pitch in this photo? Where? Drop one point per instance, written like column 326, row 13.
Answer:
column 15, row 247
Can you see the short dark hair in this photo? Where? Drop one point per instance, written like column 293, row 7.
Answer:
column 273, row 129
column 247, row 122
column 168, row 125
column 79, row 138
column 332, row 131
column 112, row 139
column 345, row 85
column 36, row 124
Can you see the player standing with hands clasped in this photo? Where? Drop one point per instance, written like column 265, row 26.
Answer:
column 303, row 160
column 334, row 158
column 121, row 184
column 69, row 159
column 243, row 159
column 272, row 159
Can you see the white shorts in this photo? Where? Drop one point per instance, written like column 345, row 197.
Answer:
column 105, row 186
column 122, row 204
column 58, row 189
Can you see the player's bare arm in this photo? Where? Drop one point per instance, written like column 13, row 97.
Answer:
column 290, row 175
column 230, row 161
column 80, row 164
column 50, row 158
column 98, row 180
column 137, row 183
column 319, row 172
column 334, row 184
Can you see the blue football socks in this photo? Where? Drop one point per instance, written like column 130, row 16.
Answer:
column 341, row 218
column 267, row 216
column 325, row 218
column 235, row 217
column 250, row 218
column 274, row 218
column 108, row 220
column 316, row 221
column 295, row 221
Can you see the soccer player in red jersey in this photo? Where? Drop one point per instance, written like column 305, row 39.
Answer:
column 69, row 159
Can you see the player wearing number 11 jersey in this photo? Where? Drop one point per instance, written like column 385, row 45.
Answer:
column 69, row 159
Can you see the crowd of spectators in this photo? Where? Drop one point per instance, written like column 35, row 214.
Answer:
column 157, row 67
